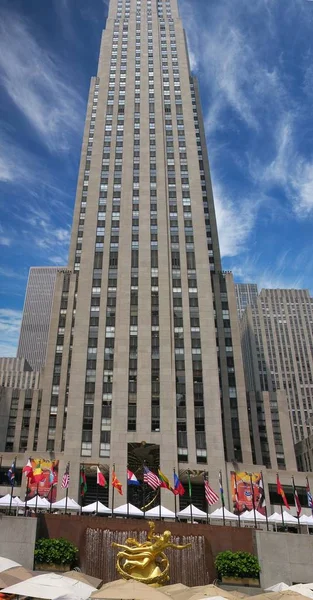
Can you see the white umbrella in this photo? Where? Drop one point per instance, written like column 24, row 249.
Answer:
column 132, row 510
column 7, row 563
column 71, row 504
column 278, row 587
column 101, row 508
column 196, row 513
column 165, row 512
column 50, row 586
column 5, row 501
column 218, row 514
column 303, row 589
column 249, row 516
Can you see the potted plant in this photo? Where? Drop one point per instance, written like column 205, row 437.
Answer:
column 55, row 554
column 238, row 568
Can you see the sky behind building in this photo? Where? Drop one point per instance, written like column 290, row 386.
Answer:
column 254, row 63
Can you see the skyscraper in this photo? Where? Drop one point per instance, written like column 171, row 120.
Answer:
column 144, row 359
column 36, row 316
column 246, row 293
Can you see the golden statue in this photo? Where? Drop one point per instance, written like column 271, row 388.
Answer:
column 146, row 562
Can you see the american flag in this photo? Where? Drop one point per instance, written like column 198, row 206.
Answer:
column 66, row 477
column 210, row 496
column 151, row 478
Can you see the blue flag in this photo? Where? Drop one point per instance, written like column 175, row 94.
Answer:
column 11, row 474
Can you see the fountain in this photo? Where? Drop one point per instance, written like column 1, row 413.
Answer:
column 189, row 567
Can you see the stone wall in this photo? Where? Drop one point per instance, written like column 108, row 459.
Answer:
column 284, row 557
column 17, row 539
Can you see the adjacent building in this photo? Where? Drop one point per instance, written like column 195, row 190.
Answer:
column 17, row 373
column 277, row 344
column 36, row 316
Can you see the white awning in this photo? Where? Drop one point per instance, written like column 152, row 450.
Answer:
column 129, row 509
column 96, row 507
column 249, row 516
column 218, row 514
column 71, row 504
column 194, row 511
column 157, row 510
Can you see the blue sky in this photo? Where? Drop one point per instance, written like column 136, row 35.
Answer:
column 254, row 60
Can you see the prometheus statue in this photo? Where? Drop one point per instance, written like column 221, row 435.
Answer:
column 146, row 562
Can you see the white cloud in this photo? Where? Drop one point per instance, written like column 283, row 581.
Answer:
column 5, row 240
column 32, row 78
column 235, row 220
column 10, row 322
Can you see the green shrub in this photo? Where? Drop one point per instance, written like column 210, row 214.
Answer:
column 55, row 551
column 237, row 564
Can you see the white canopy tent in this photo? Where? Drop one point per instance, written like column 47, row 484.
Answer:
column 97, row 507
column 157, row 511
column 61, row 504
column 7, row 563
column 306, row 520
column 288, row 519
column 195, row 513
column 42, row 503
column 218, row 514
column 50, row 586
column 5, row 501
column 128, row 510
column 249, row 516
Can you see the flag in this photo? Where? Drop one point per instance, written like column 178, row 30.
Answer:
column 281, row 492
column 309, row 495
column 66, row 477
column 262, row 501
column 11, row 474
column 236, row 494
column 38, row 474
column 131, row 478
column 178, row 486
column 296, row 497
column 221, row 488
column 52, row 476
column 116, row 483
column 151, row 479
column 164, row 480
column 189, row 486
column 28, row 469
column 100, row 478
column 210, row 496
column 83, row 482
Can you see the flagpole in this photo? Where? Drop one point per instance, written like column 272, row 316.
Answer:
column 266, row 515
column 144, row 493
column 160, row 509
column 66, row 495
column 12, row 484
column 26, row 494
column 206, row 474
column 175, row 499
column 113, row 493
column 222, row 496
column 36, row 503
column 51, row 498
column 237, row 501
column 294, row 495
column 97, row 492
column 309, row 491
column 253, row 502
column 190, row 496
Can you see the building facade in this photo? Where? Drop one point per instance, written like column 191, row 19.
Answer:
column 277, row 345
column 17, row 373
column 144, row 360
column 246, row 293
column 36, row 316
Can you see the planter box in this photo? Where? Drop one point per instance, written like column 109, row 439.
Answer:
column 244, row 581
column 52, row 567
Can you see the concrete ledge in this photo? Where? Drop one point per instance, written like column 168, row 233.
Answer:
column 17, row 539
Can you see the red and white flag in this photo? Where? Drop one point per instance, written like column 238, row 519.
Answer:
column 210, row 496
column 28, row 469
column 101, row 480
column 66, row 477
